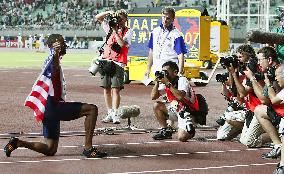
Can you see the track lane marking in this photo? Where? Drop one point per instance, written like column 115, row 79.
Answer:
column 117, row 157
column 197, row 168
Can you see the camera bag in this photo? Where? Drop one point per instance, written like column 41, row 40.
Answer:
column 107, row 67
column 202, row 112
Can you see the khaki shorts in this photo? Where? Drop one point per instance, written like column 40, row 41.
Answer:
column 116, row 81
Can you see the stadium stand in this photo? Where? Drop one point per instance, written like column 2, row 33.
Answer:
column 77, row 16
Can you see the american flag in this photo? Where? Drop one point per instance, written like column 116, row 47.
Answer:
column 42, row 87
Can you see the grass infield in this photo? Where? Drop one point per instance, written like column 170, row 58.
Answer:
column 31, row 59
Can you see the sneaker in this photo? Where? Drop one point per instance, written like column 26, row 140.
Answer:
column 185, row 123
column 11, row 146
column 115, row 119
column 93, row 153
column 164, row 133
column 279, row 169
column 108, row 118
column 273, row 154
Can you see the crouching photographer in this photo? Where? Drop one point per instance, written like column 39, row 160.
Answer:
column 114, row 58
column 267, row 61
column 277, row 108
column 182, row 104
column 252, row 132
column 232, row 121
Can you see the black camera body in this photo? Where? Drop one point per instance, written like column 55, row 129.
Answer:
column 161, row 74
column 222, row 77
column 113, row 20
column 221, row 121
column 116, row 47
column 228, row 60
column 270, row 74
column 253, row 65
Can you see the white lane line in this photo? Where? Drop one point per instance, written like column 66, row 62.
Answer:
column 110, row 144
column 28, row 161
column 165, row 154
column 198, row 168
column 149, row 155
column 217, row 151
column 173, row 141
column 130, row 156
column 234, row 150
column 152, row 142
column 182, row 153
column 114, row 157
column 5, row 162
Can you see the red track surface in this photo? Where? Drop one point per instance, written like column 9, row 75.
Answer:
column 136, row 153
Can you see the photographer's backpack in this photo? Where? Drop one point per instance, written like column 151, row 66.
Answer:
column 201, row 114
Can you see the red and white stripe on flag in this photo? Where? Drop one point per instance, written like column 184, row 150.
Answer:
column 37, row 98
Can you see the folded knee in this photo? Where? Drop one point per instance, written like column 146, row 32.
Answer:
column 157, row 106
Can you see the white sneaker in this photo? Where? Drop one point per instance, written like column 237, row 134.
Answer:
column 185, row 123
column 108, row 118
column 115, row 119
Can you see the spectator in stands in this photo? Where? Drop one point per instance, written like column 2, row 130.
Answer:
column 56, row 109
column 115, row 52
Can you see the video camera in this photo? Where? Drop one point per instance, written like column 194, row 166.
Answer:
column 112, row 20
column 161, row 74
column 228, row 60
column 222, row 77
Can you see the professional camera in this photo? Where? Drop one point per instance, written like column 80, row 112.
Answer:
column 161, row 74
column 221, row 121
column 253, row 65
column 270, row 75
column 222, row 77
column 112, row 20
column 228, row 60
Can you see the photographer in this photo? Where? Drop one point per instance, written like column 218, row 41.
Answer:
column 181, row 100
column 115, row 53
column 232, row 121
column 267, row 60
column 277, row 108
column 252, row 131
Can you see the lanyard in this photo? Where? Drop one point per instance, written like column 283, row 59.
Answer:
column 161, row 43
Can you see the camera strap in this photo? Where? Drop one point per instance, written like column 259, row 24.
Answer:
column 107, row 37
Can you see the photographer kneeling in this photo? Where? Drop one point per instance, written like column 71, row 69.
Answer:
column 181, row 100
column 232, row 121
column 267, row 60
column 115, row 52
